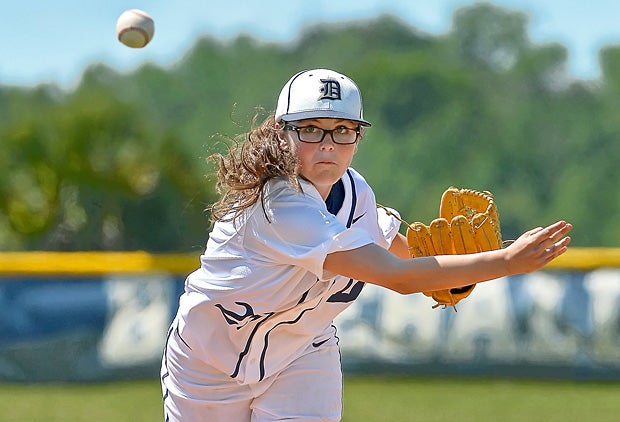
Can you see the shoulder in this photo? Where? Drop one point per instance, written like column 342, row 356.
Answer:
column 292, row 226
column 279, row 191
column 355, row 179
column 285, row 207
column 357, row 187
column 353, row 175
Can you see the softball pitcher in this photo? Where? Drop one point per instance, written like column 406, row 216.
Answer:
column 295, row 231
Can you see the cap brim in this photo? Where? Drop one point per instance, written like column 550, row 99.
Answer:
column 322, row 114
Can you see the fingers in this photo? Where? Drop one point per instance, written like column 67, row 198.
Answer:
column 537, row 247
column 558, row 245
column 562, row 243
column 551, row 241
column 557, row 249
column 534, row 231
column 561, row 229
column 557, row 241
column 554, row 232
column 549, row 234
column 549, row 238
column 557, row 227
column 560, row 232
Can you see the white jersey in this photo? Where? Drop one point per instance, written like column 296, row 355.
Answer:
column 260, row 297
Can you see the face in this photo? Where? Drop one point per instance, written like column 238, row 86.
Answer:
column 325, row 162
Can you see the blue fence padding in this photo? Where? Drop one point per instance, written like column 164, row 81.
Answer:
column 51, row 330
column 40, row 309
column 546, row 324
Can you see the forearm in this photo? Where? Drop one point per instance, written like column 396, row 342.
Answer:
column 446, row 271
column 375, row 265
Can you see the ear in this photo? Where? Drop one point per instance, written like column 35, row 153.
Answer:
column 283, row 140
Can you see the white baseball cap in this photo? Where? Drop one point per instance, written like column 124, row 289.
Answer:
column 320, row 93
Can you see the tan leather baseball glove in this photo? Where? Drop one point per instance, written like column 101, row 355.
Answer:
column 468, row 222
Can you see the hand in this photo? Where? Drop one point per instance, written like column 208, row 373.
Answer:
column 536, row 247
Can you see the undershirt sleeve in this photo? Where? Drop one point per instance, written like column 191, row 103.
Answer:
column 389, row 223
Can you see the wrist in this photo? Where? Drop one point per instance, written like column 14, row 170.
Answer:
column 504, row 262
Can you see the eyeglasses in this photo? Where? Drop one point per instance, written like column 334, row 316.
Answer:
column 315, row 135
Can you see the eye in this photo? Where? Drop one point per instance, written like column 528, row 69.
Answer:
column 308, row 129
column 343, row 130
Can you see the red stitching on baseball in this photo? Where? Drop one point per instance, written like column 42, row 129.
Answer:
column 141, row 13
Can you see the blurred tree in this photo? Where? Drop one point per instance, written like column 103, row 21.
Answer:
column 489, row 37
column 119, row 163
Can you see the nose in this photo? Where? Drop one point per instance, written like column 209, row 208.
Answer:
column 328, row 141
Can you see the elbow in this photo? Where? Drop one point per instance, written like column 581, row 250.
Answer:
column 404, row 288
column 401, row 280
column 403, row 292
column 406, row 281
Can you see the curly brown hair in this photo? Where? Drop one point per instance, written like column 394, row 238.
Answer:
column 251, row 161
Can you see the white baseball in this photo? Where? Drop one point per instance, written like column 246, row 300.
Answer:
column 135, row 28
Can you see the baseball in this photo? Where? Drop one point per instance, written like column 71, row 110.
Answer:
column 135, row 28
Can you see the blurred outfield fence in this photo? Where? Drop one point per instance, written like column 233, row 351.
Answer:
column 96, row 316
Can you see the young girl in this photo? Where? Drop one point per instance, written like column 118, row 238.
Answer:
column 296, row 235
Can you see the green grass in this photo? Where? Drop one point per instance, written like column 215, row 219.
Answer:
column 406, row 399
column 366, row 399
column 133, row 401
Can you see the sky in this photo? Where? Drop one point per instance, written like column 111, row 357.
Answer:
column 55, row 41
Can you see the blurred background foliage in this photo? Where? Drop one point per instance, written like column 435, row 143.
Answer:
column 119, row 162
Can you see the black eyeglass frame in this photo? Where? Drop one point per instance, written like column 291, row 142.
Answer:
column 358, row 133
